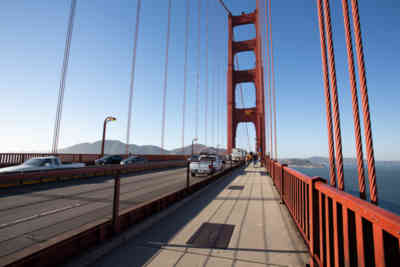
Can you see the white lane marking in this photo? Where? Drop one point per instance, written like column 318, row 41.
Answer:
column 45, row 213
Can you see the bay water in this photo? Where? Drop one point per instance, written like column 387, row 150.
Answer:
column 387, row 179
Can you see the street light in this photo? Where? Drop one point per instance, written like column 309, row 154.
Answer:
column 194, row 140
column 107, row 119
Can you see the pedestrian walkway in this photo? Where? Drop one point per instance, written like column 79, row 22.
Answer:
column 237, row 221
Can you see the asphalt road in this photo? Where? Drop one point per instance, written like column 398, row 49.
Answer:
column 33, row 214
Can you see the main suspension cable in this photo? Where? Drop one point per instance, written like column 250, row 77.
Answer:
column 225, row 7
column 132, row 75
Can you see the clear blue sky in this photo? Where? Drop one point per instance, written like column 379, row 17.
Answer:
column 32, row 39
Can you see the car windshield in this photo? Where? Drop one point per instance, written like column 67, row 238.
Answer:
column 105, row 157
column 207, row 158
column 132, row 158
column 194, row 158
column 34, row 162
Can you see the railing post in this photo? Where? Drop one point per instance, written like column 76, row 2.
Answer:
column 282, row 187
column 115, row 218
column 313, row 219
column 188, row 177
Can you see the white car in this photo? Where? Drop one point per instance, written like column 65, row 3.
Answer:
column 42, row 163
column 207, row 164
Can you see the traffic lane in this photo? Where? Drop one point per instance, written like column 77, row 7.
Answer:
column 43, row 228
column 13, row 198
column 56, row 200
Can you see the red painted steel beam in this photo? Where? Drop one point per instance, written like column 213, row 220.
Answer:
column 244, row 19
column 242, row 46
column 242, row 76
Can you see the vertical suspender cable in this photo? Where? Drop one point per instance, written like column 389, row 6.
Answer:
column 262, row 51
column 273, row 80
column 354, row 97
column 332, row 173
column 212, row 107
column 198, row 72
column 266, row 78
column 217, row 89
column 63, row 77
column 335, row 100
column 132, row 75
column 365, row 103
column 206, row 93
column 185, row 75
column 269, row 82
column 165, row 75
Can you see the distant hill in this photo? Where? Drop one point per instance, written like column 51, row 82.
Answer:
column 118, row 147
column 197, row 148
column 324, row 161
column 305, row 163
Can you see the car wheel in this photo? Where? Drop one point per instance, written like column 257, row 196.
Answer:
column 193, row 174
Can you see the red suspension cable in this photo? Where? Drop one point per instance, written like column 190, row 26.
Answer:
column 365, row 103
column 354, row 97
column 335, row 100
column 332, row 172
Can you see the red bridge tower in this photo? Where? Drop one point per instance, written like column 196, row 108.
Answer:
column 256, row 114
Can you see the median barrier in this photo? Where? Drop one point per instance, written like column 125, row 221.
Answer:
column 26, row 178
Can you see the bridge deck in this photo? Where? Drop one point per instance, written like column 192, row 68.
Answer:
column 263, row 232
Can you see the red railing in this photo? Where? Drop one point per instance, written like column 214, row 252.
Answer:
column 8, row 159
column 339, row 229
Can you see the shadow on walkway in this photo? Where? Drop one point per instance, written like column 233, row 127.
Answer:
column 135, row 253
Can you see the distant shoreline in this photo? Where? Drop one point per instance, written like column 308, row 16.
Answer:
column 306, row 166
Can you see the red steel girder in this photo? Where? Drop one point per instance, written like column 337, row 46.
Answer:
column 243, row 19
column 242, row 46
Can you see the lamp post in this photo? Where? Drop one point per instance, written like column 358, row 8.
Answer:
column 107, row 119
column 194, row 140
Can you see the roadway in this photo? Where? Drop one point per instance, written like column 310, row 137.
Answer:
column 36, row 213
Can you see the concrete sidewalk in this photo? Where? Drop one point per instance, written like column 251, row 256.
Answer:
column 239, row 222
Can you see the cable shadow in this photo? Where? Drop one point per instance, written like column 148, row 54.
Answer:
column 162, row 245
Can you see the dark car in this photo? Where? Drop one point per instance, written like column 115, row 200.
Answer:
column 133, row 160
column 110, row 159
